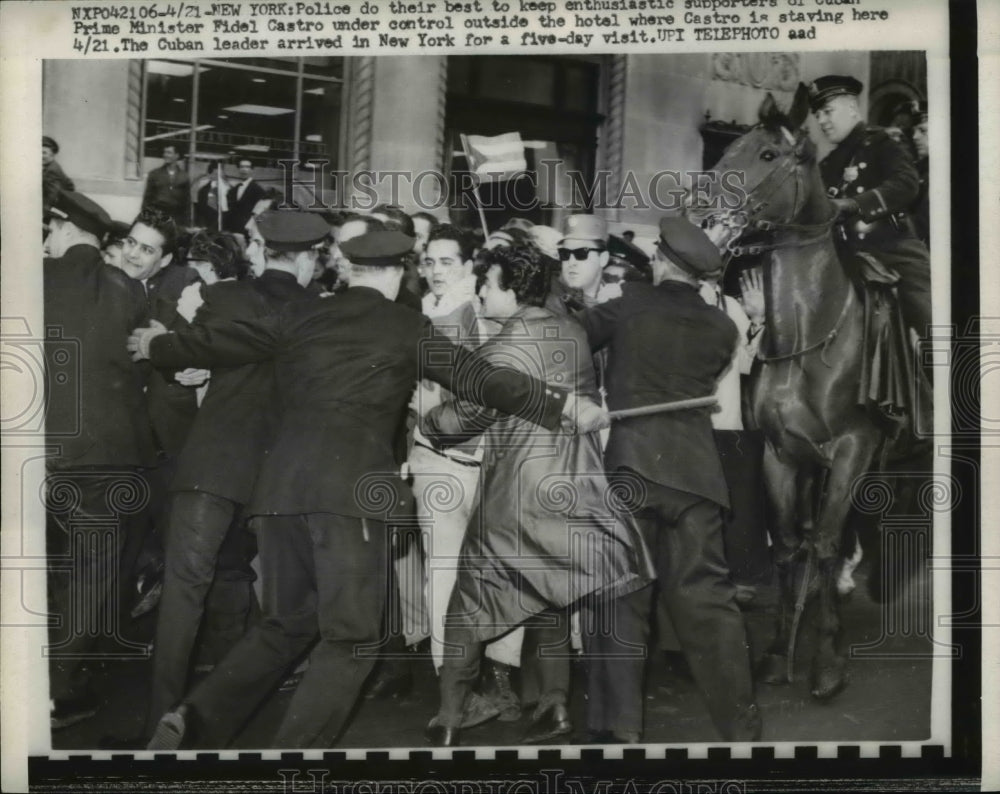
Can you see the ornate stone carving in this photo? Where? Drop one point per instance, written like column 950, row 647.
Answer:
column 775, row 71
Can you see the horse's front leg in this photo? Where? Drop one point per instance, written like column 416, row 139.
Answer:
column 852, row 457
column 780, row 485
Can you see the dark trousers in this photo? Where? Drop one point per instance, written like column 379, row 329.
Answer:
column 545, row 655
column 90, row 514
column 325, row 575
column 684, row 535
column 744, row 533
column 615, row 637
column 207, row 561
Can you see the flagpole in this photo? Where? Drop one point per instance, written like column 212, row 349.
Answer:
column 475, row 186
column 218, row 196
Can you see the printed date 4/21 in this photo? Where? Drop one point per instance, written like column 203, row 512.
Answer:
column 89, row 44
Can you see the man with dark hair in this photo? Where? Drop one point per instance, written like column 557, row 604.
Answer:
column 54, row 179
column 168, row 188
column 242, row 199
column 218, row 466
column 453, row 308
column 423, row 224
column 345, row 368
column 667, row 344
column 873, row 184
column 148, row 256
column 98, row 430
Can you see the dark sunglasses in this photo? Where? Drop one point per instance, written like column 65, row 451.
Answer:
column 577, row 253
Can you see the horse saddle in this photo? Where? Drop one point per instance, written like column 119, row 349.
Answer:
column 887, row 387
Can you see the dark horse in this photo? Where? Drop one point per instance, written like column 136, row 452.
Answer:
column 819, row 440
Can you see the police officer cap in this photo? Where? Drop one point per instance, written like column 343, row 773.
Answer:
column 688, row 247
column 585, row 227
column 378, row 249
column 831, row 85
column 620, row 248
column 291, row 230
column 914, row 110
column 81, row 212
column 117, row 232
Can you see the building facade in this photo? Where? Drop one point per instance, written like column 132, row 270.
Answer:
column 603, row 124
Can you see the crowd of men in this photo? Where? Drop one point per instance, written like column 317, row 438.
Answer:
column 293, row 392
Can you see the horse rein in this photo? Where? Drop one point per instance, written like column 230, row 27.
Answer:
column 815, row 233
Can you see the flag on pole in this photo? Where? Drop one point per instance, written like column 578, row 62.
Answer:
column 495, row 158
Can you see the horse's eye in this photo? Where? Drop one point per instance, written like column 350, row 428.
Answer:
column 767, row 155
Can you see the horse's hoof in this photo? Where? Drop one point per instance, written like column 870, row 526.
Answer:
column 773, row 669
column 829, row 680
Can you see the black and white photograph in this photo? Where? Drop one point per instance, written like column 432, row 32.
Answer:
column 611, row 395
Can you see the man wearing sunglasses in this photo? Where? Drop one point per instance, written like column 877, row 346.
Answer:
column 583, row 254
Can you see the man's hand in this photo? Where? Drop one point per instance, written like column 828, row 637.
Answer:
column 844, row 207
column 426, row 396
column 192, row 376
column 752, row 294
column 138, row 342
column 583, row 415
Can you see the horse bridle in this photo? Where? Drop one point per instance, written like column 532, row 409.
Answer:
column 813, row 233
column 745, row 219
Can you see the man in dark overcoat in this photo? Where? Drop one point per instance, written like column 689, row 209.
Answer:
column 667, row 344
column 345, row 367
column 97, row 425
column 148, row 256
column 217, row 467
column 168, row 188
column 241, row 199
column 873, row 182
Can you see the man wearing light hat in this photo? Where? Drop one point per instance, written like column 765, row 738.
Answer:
column 873, row 183
column 345, row 368
column 218, row 465
column 667, row 344
column 583, row 254
column 97, row 425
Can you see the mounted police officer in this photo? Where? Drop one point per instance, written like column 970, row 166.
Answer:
column 873, row 182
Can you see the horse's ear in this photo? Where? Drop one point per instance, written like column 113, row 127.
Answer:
column 768, row 112
column 800, row 107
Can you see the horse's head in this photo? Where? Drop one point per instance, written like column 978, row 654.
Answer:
column 764, row 174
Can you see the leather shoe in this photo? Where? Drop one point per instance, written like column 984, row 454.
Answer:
column 174, row 728
column 70, row 711
column 548, row 725
column 441, row 735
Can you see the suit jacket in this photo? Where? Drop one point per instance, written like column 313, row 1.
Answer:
column 665, row 344
column 879, row 174
column 172, row 407
column 170, row 194
column 98, row 413
column 235, row 421
column 240, row 209
column 345, row 368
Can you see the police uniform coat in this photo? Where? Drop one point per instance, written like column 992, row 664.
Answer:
column 878, row 173
column 97, row 417
column 345, row 368
column 665, row 344
column 872, row 169
column 234, row 423
column 546, row 533
column 172, row 407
